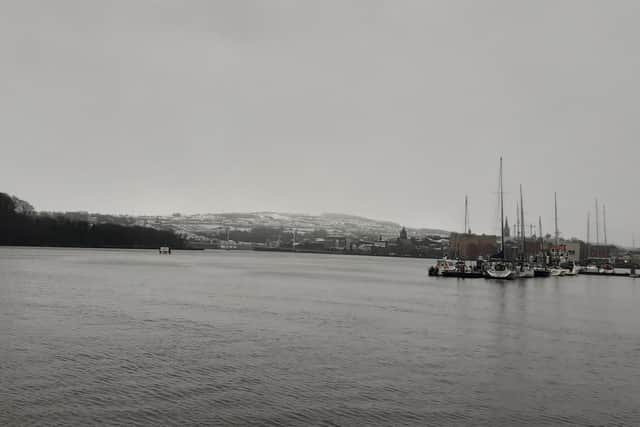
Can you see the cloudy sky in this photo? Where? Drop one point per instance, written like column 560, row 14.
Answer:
column 388, row 109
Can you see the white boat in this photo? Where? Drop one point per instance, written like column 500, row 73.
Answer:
column 567, row 269
column 590, row 269
column 607, row 269
column 442, row 265
column 573, row 271
column 523, row 271
column 557, row 271
column 500, row 270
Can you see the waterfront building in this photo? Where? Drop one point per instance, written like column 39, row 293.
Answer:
column 472, row 246
column 228, row 244
column 601, row 251
column 569, row 251
column 335, row 242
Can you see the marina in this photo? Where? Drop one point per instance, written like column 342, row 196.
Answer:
column 528, row 258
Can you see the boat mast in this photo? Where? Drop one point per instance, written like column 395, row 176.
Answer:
column 501, row 210
column 466, row 214
column 541, row 240
column 517, row 222
column 524, row 240
column 555, row 197
column 597, row 225
column 588, row 231
column 540, row 227
column 604, row 223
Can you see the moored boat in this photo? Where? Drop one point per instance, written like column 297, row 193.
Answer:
column 570, row 269
column 607, row 268
column 541, row 272
column 499, row 270
column 557, row 271
column 464, row 271
column 589, row 269
column 464, row 274
column 523, row 271
column 442, row 265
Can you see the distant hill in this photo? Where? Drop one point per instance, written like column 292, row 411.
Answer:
column 209, row 225
column 206, row 225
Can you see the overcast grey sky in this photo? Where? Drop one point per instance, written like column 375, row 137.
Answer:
column 389, row 109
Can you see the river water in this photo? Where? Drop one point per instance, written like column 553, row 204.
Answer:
column 238, row 337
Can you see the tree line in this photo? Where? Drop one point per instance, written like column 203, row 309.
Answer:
column 17, row 229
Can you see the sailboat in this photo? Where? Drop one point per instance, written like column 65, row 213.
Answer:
column 523, row 270
column 559, row 267
column 541, row 269
column 461, row 268
column 556, row 270
column 500, row 269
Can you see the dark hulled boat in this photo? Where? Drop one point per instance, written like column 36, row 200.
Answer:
column 541, row 272
column 464, row 274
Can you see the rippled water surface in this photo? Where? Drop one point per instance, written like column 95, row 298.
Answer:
column 214, row 337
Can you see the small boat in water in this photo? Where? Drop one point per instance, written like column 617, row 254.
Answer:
column 607, row 269
column 589, row 269
column 564, row 269
column 464, row 271
column 464, row 274
column 524, row 271
column 541, row 272
column 499, row 270
column 442, row 265
column 570, row 269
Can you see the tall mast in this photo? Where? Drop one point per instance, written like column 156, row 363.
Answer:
column 540, row 232
column 597, row 225
column 524, row 243
column 588, row 231
column 555, row 197
column 517, row 221
column 501, row 210
column 604, row 223
column 540, row 227
column 466, row 214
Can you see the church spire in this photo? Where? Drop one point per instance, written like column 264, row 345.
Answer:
column 403, row 234
column 507, row 231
